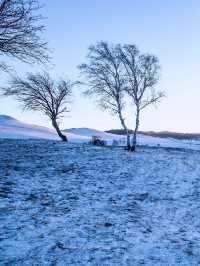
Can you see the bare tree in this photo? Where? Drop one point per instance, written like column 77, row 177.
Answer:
column 20, row 31
column 105, row 79
column 38, row 92
column 141, row 75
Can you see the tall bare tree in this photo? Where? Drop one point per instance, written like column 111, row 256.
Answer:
column 105, row 79
column 141, row 72
column 39, row 92
column 20, row 31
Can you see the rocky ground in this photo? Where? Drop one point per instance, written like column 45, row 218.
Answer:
column 65, row 204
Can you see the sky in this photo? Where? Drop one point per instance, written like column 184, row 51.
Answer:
column 168, row 29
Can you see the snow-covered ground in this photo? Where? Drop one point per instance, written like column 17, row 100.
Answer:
column 142, row 139
column 11, row 128
column 76, row 204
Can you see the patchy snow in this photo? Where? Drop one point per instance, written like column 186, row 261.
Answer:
column 72, row 204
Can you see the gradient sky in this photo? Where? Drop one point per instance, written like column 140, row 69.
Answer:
column 169, row 29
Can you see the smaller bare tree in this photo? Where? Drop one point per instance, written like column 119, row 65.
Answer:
column 105, row 80
column 142, row 75
column 39, row 92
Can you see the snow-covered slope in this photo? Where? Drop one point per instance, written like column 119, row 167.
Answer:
column 84, row 131
column 89, row 132
column 15, row 129
column 142, row 139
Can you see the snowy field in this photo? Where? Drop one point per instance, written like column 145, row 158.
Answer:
column 11, row 128
column 75, row 204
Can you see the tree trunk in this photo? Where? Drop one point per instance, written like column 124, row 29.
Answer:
column 55, row 125
column 128, row 143
column 134, row 139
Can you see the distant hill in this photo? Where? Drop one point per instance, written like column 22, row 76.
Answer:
column 11, row 128
column 160, row 134
column 89, row 132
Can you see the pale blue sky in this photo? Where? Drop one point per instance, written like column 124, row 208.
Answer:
column 169, row 29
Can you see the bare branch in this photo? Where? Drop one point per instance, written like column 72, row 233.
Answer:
column 20, row 31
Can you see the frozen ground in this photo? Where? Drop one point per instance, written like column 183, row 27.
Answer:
column 70, row 204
